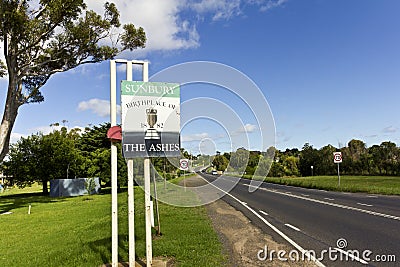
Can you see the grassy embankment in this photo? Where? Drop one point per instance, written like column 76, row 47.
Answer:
column 77, row 231
column 367, row 184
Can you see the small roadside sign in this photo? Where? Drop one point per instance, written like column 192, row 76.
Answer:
column 184, row 164
column 337, row 157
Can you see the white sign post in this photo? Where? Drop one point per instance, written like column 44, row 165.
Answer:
column 337, row 158
column 114, row 170
column 150, row 125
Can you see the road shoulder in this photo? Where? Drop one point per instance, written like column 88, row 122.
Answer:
column 241, row 240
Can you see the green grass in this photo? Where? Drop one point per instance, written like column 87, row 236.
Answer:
column 77, row 231
column 368, row 184
column 35, row 188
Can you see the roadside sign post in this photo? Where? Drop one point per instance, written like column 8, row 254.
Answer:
column 184, row 165
column 150, row 123
column 114, row 185
column 114, row 170
column 158, row 229
column 337, row 158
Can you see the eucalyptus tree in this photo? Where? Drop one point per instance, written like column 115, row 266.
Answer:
column 41, row 38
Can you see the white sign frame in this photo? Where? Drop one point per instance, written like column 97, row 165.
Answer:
column 337, row 157
column 184, row 164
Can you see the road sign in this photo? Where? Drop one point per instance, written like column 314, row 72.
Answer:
column 337, row 157
column 184, row 164
column 150, row 119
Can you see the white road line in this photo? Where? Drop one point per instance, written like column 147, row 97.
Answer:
column 293, row 227
column 351, row 255
column 288, row 192
column 363, row 204
column 263, row 212
column 297, row 246
column 372, row 196
column 336, row 205
column 327, row 198
column 305, row 195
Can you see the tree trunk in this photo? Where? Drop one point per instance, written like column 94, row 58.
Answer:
column 7, row 123
column 45, row 189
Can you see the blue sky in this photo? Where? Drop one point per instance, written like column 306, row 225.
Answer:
column 330, row 70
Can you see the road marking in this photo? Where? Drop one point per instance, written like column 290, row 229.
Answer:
column 263, row 212
column 244, row 203
column 336, row 205
column 297, row 246
column 293, row 227
column 327, row 198
column 288, row 192
column 363, row 204
column 372, row 196
column 351, row 255
column 305, row 195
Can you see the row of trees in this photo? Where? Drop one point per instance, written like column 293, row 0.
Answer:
column 71, row 154
column 76, row 153
column 358, row 159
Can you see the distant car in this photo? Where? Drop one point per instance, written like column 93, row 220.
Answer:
column 214, row 173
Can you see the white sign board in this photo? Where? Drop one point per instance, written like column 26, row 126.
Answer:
column 150, row 119
column 337, row 157
column 184, row 164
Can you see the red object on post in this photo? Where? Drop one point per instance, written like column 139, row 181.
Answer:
column 115, row 134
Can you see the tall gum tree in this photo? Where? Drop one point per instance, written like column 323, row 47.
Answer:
column 41, row 38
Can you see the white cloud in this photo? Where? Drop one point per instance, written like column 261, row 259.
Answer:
column 172, row 24
column 248, row 128
column 221, row 9
column 165, row 29
column 15, row 137
column 390, row 129
column 267, row 5
column 99, row 107
column 195, row 137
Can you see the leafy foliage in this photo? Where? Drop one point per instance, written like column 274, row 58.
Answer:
column 383, row 159
column 71, row 154
column 220, row 163
column 53, row 36
column 40, row 158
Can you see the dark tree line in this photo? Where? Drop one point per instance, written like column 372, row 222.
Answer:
column 76, row 154
column 358, row 159
column 72, row 154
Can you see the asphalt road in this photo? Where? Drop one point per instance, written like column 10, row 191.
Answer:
column 344, row 229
